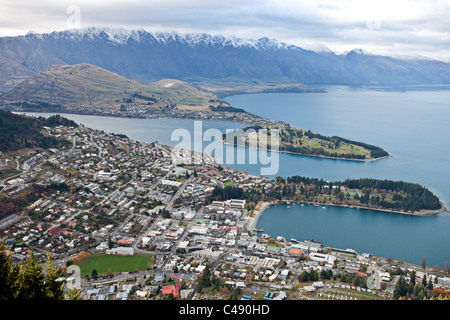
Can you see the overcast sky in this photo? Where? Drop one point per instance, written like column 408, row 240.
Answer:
column 393, row 27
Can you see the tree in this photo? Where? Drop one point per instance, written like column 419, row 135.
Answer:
column 430, row 285
column 110, row 242
column 204, row 280
column 8, row 275
column 413, row 277
column 400, row 289
column 94, row 274
column 233, row 295
column 74, row 294
column 424, row 263
column 27, row 281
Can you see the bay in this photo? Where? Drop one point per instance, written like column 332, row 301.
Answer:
column 413, row 126
column 398, row 236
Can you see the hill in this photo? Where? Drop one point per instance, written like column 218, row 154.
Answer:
column 85, row 86
column 18, row 131
column 203, row 59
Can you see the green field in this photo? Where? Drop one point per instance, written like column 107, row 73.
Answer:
column 102, row 262
column 7, row 173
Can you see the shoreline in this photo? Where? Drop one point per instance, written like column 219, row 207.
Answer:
column 257, row 213
column 426, row 213
column 310, row 155
column 266, row 204
column 200, row 119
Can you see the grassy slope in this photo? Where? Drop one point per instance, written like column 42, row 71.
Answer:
column 88, row 86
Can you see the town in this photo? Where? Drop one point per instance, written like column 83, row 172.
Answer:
column 140, row 225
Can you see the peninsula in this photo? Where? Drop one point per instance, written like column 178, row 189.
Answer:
column 306, row 142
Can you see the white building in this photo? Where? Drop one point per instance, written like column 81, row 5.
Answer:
column 320, row 257
column 124, row 251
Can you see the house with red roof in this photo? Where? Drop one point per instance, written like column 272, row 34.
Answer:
column 172, row 289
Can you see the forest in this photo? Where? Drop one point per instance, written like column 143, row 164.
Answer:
column 370, row 193
column 18, row 131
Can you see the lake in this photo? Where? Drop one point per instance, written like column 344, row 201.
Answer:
column 384, row 234
column 413, row 126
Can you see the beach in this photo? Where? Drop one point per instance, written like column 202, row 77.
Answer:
column 257, row 213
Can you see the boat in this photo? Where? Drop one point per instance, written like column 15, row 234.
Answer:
column 323, row 207
column 295, row 240
column 303, row 205
column 316, row 205
column 258, row 230
column 288, row 207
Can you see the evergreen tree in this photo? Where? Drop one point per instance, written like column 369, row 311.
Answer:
column 413, row 277
column 204, row 280
column 27, row 281
column 430, row 285
column 110, row 242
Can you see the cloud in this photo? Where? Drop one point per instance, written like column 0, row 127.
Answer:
column 383, row 26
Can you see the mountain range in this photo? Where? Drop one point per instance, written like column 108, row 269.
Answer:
column 207, row 60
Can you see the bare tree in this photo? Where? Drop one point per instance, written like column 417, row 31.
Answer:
column 424, row 263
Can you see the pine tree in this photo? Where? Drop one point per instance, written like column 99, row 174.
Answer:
column 413, row 277
column 27, row 281
column 8, row 274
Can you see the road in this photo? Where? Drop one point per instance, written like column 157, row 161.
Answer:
column 179, row 192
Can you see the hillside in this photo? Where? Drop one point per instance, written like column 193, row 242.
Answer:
column 18, row 131
column 203, row 59
column 85, row 86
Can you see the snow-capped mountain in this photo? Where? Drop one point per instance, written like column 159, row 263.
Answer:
column 148, row 56
column 120, row 36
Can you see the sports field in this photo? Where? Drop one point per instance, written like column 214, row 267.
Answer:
column 103, row 262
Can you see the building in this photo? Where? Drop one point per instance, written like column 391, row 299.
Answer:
column 159, row 277
column 319, row 257
column 124, row 251
column 318, row 284
column 172, row 289
column 208, row 253
column 236, row 203
column 104, row 176
column 309, row 289
column 294, row 252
